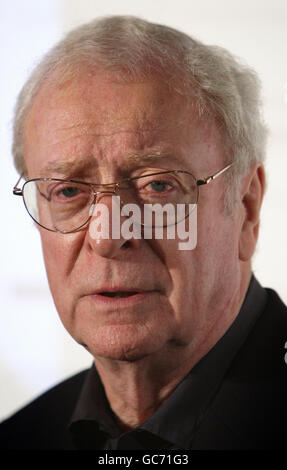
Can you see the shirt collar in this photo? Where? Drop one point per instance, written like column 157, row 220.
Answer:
column 93, row 405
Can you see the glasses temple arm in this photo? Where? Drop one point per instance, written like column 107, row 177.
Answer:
column 17, row 191
column 212, row 177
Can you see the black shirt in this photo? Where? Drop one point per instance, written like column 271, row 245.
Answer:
column 174, row 424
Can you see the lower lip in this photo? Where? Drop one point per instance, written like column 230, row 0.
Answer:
column 122, row 301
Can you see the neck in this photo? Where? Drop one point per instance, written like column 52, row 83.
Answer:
column 135, row 390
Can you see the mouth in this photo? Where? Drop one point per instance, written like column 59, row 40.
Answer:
column 118, row 297
column 118, row 294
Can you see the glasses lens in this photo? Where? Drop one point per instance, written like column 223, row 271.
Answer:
column 57, row 205
column 155, row 200
column 164, row 198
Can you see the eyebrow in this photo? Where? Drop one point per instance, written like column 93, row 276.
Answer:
column 69, row 167
column 138, row 157
column 81, row 167
column 144, row 159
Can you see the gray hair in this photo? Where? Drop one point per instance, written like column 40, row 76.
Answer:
column 223, row 86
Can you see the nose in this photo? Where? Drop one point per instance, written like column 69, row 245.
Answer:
column 104, row 232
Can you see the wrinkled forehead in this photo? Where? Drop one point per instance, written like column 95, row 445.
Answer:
column 143, row 101
column 98, row 109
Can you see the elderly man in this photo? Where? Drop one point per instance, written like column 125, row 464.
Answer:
column 188, row 348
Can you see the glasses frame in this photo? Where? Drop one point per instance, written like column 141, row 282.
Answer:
column 108, row 189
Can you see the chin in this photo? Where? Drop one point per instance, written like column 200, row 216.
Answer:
column 121, row 343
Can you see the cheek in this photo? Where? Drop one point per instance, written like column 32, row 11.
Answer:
column 196, row 273
column 59, row 257
column 181, row 267
column 53, row 253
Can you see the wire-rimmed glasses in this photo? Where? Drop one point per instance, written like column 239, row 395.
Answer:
column 65, row 206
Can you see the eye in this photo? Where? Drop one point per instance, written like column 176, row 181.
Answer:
column 69, row 191
column 158, row 186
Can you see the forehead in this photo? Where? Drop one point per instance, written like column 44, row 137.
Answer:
column 106, row 101
column 95, row 115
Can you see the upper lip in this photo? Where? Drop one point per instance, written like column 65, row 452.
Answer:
column 121, row 289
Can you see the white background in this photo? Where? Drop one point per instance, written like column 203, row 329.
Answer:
column 35, row 350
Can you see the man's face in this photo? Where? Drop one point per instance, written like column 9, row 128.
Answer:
column 108, row 131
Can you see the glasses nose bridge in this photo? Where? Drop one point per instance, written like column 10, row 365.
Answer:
column 106, row 188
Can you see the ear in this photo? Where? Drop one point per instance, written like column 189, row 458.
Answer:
column 252, row 191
